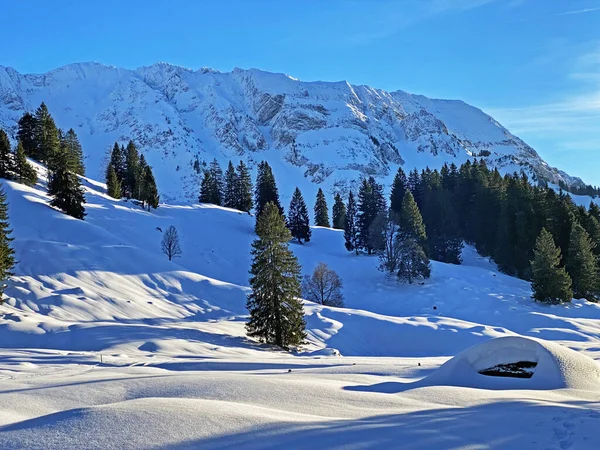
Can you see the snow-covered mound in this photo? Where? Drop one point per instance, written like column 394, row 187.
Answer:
column 556, row 366
column 310, row 132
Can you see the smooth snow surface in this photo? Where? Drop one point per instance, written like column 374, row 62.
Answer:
column 104, row 343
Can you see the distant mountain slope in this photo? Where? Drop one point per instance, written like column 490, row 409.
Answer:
column 311, row 132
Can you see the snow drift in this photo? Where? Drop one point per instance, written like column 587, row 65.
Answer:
column 557, row 366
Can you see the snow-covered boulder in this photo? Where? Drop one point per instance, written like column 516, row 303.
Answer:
column 555, row 366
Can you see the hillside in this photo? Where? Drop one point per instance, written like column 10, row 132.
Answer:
column 311, row 133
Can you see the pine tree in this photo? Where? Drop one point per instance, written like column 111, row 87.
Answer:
column 117, row 162
column 132, row 171
column 321, row 211
column 6, row 157
column 216, row 178
column 399, row 187
column 65, row 188
column 266, row 189
column 70, row 142
column 244, row 192
column 371, row 203
column 208, row 189
column 113, row 185
column 410, row 220
column 230, row 198
column 24, row 172
column 7, row 259
column 351, row 225
column 297, row 220
column 582, row 265
column 551, row 283
column 150, row 197
column 46, row 137
column 413, row 263
column 276, row 313
column 339, row 213
column 26, row 135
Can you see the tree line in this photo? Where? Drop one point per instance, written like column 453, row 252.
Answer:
column 128, row 175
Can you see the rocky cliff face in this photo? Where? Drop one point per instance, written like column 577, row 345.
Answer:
column 312, row 133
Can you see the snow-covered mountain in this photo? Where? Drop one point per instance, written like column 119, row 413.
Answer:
column 310, row 132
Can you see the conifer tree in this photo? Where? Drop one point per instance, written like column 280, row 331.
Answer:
column 26, row 134
column 276, row 313
column 266, row 189
column 46, row 137
column 321, row 211
column 582, row 264
column 551, row 283
column 216, row 177
column 70, row 142
column 410, row 220
column 206, row 193
column 7, row 259
column 65, row 188
column 399, row 187
column 339, row 213
column 230, row 198
column 413, row 263
column 113, row 185
column 150, row 197
column 117, row 162
column 351, row 225
column 371, row 203
column 6, row 157
column 297, row 219
column 244, row 188
column 131, row 175
column 24, row 172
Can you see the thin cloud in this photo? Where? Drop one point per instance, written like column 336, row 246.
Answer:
column 578, row 11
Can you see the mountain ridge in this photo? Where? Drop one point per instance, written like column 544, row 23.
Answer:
column 314, row 133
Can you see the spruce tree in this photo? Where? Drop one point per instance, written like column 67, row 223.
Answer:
column 551, row 283
column 206, row 188
column 113, row 185
column 217, row 188
column 339, row 213
column 65, row 188
column 276, row 313
column 371, row 203
column 230, row 197
column 410, row 220
column 351, row 225
column 46, row 137
column 150, row 197
column 70, row 142
column 6, row 157
column 244, row 188
column 582, row 264
column 266, row 189
column 399, row 187
column 414, row 263
column 24, row 172
column 132, row 171
column 7, row 259
column 321, row 211
column 117, row 162
column 297, row 219
column 26, row 134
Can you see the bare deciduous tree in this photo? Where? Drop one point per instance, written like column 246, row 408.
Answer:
column 170, row 243
column 390, row 256
column 324, row 287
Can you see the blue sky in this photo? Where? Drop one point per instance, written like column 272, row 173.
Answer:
column 533, row 64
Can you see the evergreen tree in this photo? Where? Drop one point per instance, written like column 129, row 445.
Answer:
column 26, row 134
column 150, row 197
column 46, row 137
column 266, row 189
column 410, row 220
column 351, row 225
column 339, row 213
column 297, row 220
column 551, row 283
column 582, row 264
column 371, row 203
column 7, row 259
column 244, row 188
column 131, row 175
column 25, row 173
column 276, row 313
column 399, row 187
column 70, row 142
column 208, row 189
column 321, row 211
column 117, row 162
column 113, row 185
column 65, row 188
column 6, row 157
column 230, row 198
column 413, row 263
column 216, row 178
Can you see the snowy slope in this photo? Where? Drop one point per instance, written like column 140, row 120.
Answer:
column 310, row 132
column 178, row 371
